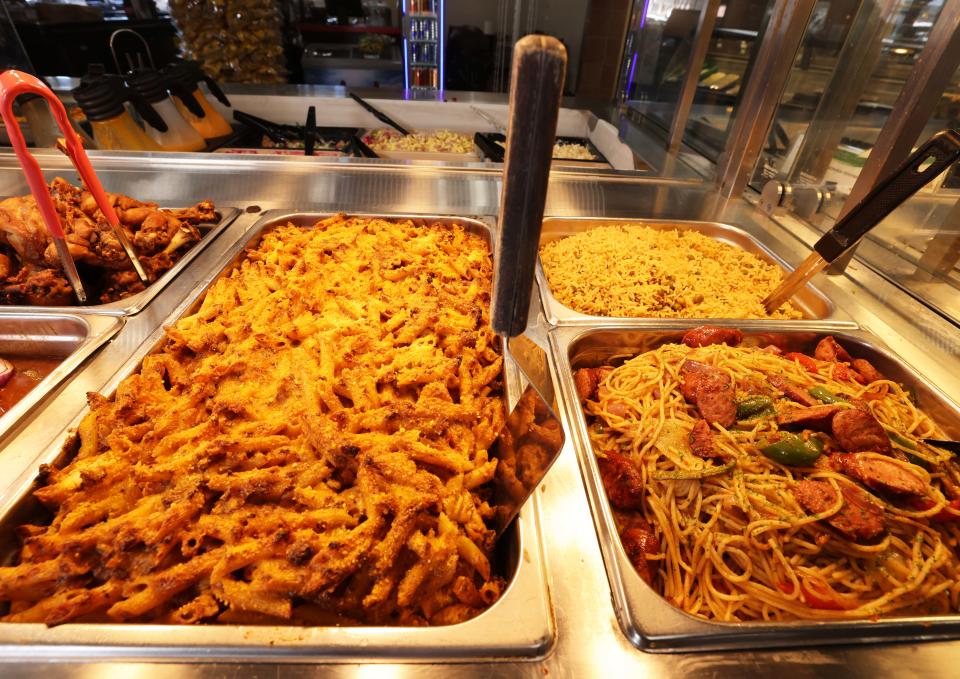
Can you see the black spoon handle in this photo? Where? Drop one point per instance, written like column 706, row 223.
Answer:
column 379, row 115
column 536, row 86
column 935, row 156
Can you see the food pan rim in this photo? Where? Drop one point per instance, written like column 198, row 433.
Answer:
column 525, row 602
column 648, row 620
column 558, row 313
column 99, row 330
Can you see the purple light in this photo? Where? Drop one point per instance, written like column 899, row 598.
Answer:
column 643, row 17
column 633, row 67
column 406, row 65
column 440, row 56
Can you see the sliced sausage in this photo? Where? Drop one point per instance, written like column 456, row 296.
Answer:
column 706, row 335
column 859, row 518
column 866, row 370
column 817, row 417
column 690, row 373
column 585, row 380
column 857, row 430
column 711, row 390
column 638, row 541
column 842, row 372
column 792, row 392
column 622, row 481
column 829, row 350
column 701, row 441
column 879, row 475
column 772, row 340
column 588, row 381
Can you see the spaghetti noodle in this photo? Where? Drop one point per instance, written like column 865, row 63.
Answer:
column 738, row 534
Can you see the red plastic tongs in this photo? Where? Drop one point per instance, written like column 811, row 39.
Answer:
column 13, row 84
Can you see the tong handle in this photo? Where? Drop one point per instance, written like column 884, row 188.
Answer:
column 928, row 161
column 13, row 84
column 380, row 115
column 536, row 86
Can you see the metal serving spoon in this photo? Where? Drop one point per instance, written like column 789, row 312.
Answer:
column 532, row 435
column 932, row 158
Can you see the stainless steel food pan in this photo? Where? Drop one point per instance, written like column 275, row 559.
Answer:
column 812, row 302
column 648, row 620
column 518, row 625
column 72, row 338
column 135, row 303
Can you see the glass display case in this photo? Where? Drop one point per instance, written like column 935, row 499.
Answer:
column 423, row 43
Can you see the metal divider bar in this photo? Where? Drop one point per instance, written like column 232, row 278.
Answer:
column 754, row 115
column 920, row 94
column 701, row 41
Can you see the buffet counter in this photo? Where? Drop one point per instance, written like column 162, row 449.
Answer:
column 574, row 623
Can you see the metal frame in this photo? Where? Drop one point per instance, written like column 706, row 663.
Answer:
column 856, row 62
column 701, row 41
column 588, row 640
column 754, row 114
column 920, row 94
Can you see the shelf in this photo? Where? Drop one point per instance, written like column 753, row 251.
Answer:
column 328, row 28
column 423, row 40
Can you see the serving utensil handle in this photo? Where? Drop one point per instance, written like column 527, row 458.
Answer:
column 380, row 115
column 932, row 158
column 536, row 86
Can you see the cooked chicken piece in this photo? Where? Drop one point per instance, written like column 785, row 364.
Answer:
column 203, row 212
column 157, row 235
column 162, row 231
column 23, row 229
column 36, row 287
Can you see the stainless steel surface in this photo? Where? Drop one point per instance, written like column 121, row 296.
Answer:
column 758, row 103
column 811, row 301
column 588, row 640
column 645, row 617
column 698, row 52
column 920, row 95
column 70, row 337
column 518, row 625
column 135, row 303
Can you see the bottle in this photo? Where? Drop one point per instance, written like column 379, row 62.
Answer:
column 101, row 100
column 171, row 132
column 43, row 128
column 183, row 79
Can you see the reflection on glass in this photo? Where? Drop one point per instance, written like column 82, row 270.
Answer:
column 657, row 58
column 855, row 60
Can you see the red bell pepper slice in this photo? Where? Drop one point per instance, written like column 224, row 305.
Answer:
column 943, row 516
column 805, row 361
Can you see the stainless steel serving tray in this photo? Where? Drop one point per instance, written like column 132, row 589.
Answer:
column 520, row 624
column 647, row 619
column 135, row 303
column 71, row 337
column 814, row 304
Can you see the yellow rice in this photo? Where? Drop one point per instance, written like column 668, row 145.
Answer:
column 637, row 271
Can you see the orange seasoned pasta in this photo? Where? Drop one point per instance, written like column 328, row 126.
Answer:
column 308, row 447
